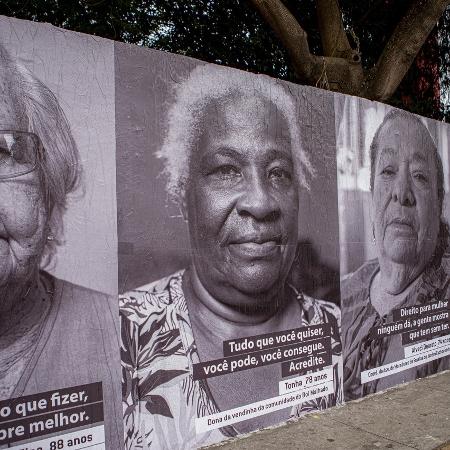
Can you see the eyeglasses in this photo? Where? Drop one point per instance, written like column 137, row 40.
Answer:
column 20, row 153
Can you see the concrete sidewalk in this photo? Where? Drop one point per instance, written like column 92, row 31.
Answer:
column 416, row 415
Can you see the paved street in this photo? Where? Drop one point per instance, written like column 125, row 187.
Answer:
column 413, row 416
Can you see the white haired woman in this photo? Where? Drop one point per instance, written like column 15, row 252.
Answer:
column 234, row 163
column 412, row 265
column 53, row 334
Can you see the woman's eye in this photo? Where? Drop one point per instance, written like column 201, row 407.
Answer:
column 388, row 171
column 4, row 152
column 226, row 171
column 18, row 151
column 420, row 176
column 280, row 174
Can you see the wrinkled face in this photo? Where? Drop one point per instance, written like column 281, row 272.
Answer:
column 23, row 217
column 242, row 199
column 405, row 196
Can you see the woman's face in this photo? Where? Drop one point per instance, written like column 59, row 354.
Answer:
column 405, row 195
column 23, row 216
column 242, row 200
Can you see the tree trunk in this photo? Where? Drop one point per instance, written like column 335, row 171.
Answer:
column 403, row 46
column 340, row 68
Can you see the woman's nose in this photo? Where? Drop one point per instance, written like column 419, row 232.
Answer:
column 403, row 192
column 257, row 201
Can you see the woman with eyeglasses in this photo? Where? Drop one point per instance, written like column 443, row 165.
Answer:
column 53, row 334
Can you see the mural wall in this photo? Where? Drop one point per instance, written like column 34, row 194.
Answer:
column 191, row 252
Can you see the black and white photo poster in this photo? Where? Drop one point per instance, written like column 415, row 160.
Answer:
column 393, row 176
column 59, row 320
column 228, row 250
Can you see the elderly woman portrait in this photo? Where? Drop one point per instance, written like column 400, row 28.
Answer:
column 50, row 329
column 235, row 163
column 410, row 237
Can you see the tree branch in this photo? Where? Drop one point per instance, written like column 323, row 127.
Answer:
column 331, row 27
column 291, row 35
column 329, row 72
column 403, row 46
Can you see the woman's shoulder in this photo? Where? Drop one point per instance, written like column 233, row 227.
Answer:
column 329, row 307
column 436, row 280
column 359, row 280
column 327, row 314
column 74, row 292
column 93, row 311
column 320, row 311
column 445, row 263
column 157, row 295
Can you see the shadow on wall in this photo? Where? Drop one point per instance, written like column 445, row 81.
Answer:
column 312, row 276
column 145, row 265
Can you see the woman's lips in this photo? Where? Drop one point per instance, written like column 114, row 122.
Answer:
column 255, row 249
column 402, row 228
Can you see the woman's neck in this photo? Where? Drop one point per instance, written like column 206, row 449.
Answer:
column 244, row 316
column 213, row 324
column 395, row 277
column 23, row 304
column 14, row 292
column 388, row 290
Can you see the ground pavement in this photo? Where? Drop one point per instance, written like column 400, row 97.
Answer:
column 412, row 416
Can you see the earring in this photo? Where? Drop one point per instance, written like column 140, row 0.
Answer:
column 373, row 233
column 50, row 237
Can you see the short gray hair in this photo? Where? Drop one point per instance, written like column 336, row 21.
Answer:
column 60, row 168
column 210, row 83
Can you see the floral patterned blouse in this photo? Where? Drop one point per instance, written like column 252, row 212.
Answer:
column 160, row 397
